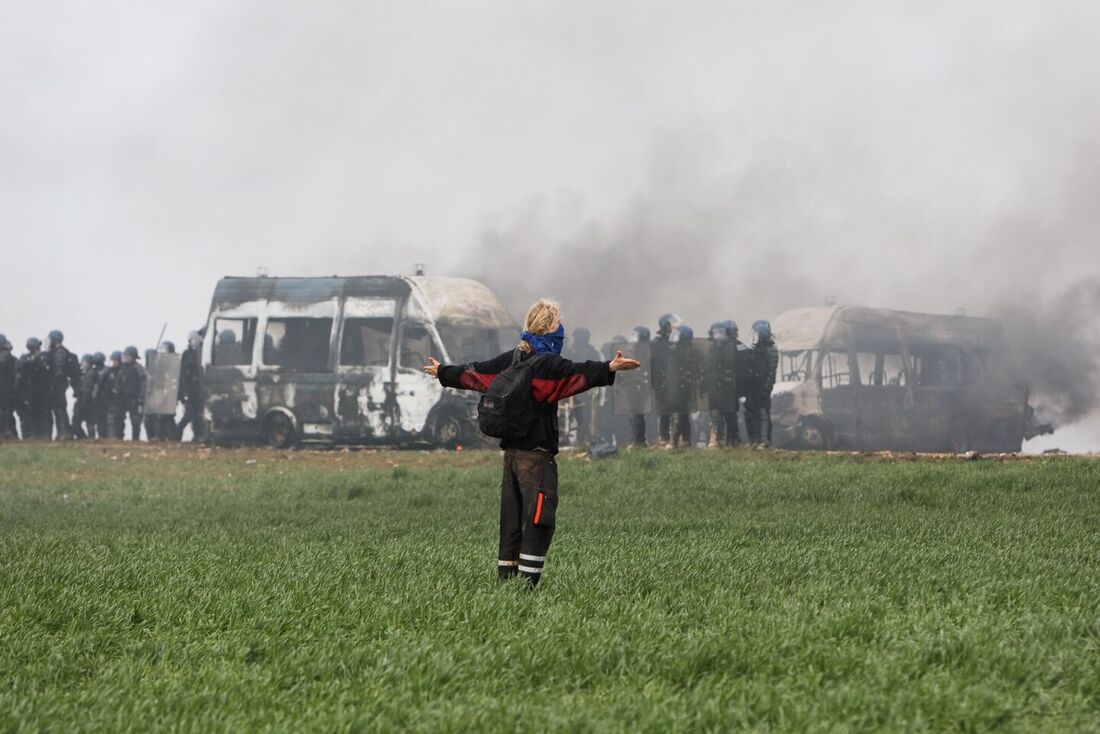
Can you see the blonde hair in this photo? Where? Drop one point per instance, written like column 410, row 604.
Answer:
column 539, row 319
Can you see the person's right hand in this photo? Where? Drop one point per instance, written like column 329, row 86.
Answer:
column 621, row 363
column 432, row 368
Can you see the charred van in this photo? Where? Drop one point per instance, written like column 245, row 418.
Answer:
column 338, row 360
column 871, row 379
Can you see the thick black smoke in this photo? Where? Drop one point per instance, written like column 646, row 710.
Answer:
column 712, row 240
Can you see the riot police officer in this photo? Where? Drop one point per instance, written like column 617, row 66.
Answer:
column 63, row 369
column 8, row 366
column 721, row 384
column 108, row 399
column 686, row 374
column 99, row 403
column 83, row 413
column 661, row 378
column 191, row 388
column 131, row 387
column 581, row 350
column 32, row 392
column 758, row 403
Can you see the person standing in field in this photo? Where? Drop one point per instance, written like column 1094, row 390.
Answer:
column 529, row 490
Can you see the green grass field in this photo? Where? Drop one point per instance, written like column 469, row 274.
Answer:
column 200, row 590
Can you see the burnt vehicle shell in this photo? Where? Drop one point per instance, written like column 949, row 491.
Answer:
column 338, row 360
column 874, row 379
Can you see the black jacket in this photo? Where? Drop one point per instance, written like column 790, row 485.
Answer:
column 553, row 378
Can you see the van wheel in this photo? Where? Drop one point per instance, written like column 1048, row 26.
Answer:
column 958, row 442
column 279, row 432
column 449, row 430
column 813, row 434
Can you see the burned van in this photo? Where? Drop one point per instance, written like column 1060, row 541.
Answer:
column 338, row 360
column 871, row 379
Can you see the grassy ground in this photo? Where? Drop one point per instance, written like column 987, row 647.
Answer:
column 202, row 590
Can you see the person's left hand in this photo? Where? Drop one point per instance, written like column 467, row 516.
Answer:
column 432, row 368
column 621, row 363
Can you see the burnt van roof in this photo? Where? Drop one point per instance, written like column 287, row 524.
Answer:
column 808, row 328
column 454, row 301
column 232, row 291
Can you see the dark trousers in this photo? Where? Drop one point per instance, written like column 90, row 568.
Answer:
column 59, row 415
column 637, row 429
column 116, row 423
column 135, row 423
column 758, row 418
column 34, row 420
column 681, row 429
column 102, row 423
column 83, row 426
column 725, row 427
column 166, row 427
column 192, row 415
column 7, row 422
column 528, row 508
column 664, row 427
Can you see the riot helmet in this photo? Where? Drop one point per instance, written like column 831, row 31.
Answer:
column 639, row 334
column 168, row 347
column 683, row 333
column 34, row 344
column 86, row 359
column 718, row 330
column 98, row 359
column 194, row 340
column 131, row 353
column 116, row 358
column 4, row 343
column 668, row 323
column 55, row 337
column 761, row 331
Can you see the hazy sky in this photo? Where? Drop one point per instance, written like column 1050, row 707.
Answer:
column 718, row 159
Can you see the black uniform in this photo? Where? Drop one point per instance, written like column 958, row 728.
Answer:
column 32, row 386
column 758, row 400
column 660, row 377
column 8, row 366
column 686, row 375
column 721, row 388
column 131, row 392
column 109, row 404
column 84, row 418
column 64, row 372
column 529, row 489
column 191, row 394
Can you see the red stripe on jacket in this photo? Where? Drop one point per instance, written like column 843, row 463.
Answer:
column 543, row 389
column 553, row 390
column 471, row 380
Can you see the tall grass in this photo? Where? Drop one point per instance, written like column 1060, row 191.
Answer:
column 252, row 590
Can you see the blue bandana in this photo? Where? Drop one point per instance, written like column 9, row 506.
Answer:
column 545, row 343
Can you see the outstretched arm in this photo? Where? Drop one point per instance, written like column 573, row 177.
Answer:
column 475, row 376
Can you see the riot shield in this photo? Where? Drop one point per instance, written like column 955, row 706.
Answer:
column 720, row 375
column 162, row 381
column 678, row 376
column 632, row 393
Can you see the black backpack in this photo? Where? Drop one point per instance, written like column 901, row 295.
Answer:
column 507, row 409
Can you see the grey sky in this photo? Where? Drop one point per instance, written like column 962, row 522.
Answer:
column 719, row 159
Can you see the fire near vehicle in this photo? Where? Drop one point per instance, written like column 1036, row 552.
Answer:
column 338, row 360
column 871, row 379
